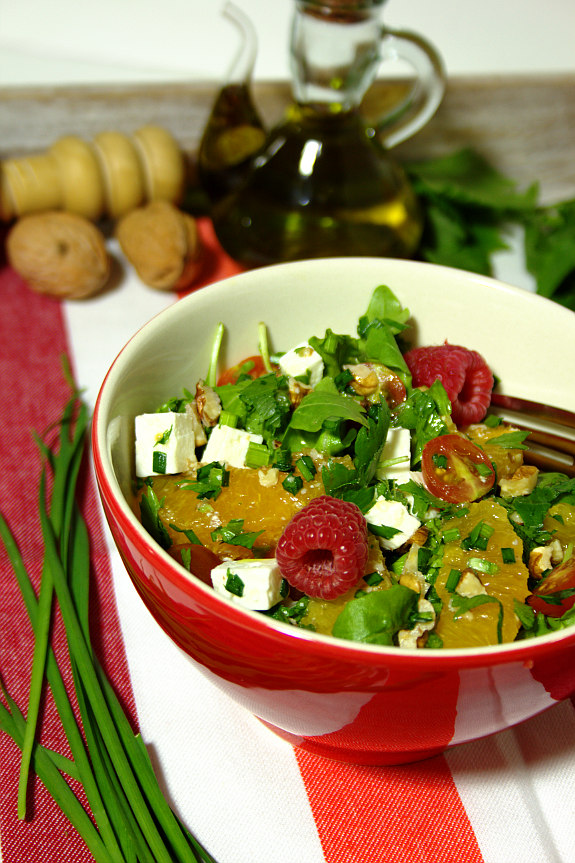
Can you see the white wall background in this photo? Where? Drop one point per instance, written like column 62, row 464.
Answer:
column 99, row 41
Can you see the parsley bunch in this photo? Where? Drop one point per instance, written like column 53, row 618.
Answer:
column 469, row 207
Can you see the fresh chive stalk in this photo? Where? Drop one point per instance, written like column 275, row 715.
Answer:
column 263, row 346
column 127, row 817
column 212, row 374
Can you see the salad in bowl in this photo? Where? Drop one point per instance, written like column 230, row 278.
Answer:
column 358, row 488
column 313, row 522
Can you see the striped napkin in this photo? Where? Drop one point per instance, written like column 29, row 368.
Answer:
column 247, row 795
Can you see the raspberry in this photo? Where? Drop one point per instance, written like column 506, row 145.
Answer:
column 464, row 374
column 323, row 550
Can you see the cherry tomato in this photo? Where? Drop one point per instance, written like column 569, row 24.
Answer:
column 456, row 470
column 252, row 366
column 561, row 578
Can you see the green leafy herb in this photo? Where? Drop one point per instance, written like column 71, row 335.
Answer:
column 424, row 413
column 210, row 479
column 469, row 207
column 510, row 440
column 188, row 533
column 377, row 617
column 234, row 584
column 150, row 507
column 159, row 461
column 463, row 604
column 233, row 533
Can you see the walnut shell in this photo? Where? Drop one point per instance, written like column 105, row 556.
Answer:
column 58, row 253
column 162, row 244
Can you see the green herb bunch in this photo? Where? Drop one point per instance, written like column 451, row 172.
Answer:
column 469, row 208
column 128, row 818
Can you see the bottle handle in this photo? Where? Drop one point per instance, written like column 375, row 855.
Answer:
column 426, row 94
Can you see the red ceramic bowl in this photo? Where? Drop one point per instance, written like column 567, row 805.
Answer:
column 368, row 705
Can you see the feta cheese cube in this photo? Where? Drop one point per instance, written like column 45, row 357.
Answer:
column 229, row 446
column 171, row 436
column 300, row 360
column 397, row 446
column 391, row 513
column 254, row 584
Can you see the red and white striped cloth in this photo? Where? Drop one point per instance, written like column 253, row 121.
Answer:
column 247, row 795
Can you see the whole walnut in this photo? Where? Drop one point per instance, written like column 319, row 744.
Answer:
column 59, row 253
column 162, row 244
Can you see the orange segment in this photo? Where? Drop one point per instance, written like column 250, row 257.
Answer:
column 262, row 508
column 478, row 626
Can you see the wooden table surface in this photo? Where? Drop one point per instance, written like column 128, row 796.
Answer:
column 523, row 125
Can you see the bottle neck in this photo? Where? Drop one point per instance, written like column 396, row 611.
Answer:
column 334, row 52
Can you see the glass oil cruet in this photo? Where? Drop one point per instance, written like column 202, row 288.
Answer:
column 322, row 182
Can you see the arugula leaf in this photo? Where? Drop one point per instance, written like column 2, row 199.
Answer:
column 376, row 617
column 321, row 405
column 384, row 306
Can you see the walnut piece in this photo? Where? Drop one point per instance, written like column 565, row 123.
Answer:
column 162, row 244
column 58, row 253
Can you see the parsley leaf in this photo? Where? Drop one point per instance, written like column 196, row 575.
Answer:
column 233, row 533
column 423, row 414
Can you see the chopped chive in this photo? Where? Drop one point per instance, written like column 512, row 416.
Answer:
column 452, row 580
column 214, row 354
column 373, row 578
column 508, row 555
column 258, row 455
column 164, row 437
column 292, row 483
column 227, row 418
column 306, row 467
column 451, row 535
column 159, row 461
column 482, row 565
column 283, row 461
column 263, row 346
column 343, row 379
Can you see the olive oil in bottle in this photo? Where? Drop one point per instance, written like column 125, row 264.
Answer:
column 321, row 183
column 323, row 186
